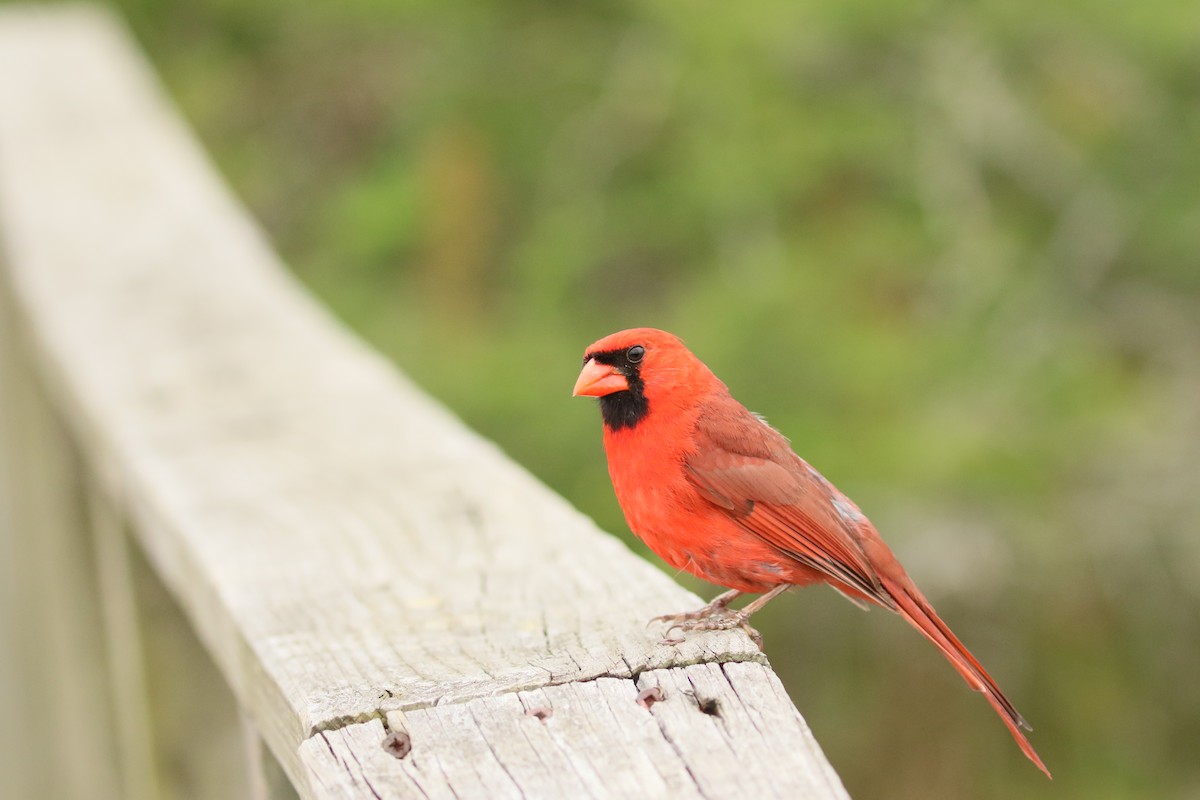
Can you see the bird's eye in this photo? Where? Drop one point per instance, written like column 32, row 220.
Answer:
column 635, row 353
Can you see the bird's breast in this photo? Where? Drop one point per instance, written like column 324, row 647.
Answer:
column 665, row 511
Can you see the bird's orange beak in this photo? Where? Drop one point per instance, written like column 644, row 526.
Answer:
column 598, row 380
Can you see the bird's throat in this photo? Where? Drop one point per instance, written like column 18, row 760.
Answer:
column 622, row 410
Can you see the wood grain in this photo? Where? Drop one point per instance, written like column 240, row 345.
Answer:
column 343, row 546
column 721, row 730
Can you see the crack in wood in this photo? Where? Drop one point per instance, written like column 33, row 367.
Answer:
column 380, row 712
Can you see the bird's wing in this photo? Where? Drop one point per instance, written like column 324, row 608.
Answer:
column 747, row 468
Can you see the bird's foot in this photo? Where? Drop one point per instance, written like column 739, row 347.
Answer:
column 703, row 612
column 718, row 605
column 708, row 619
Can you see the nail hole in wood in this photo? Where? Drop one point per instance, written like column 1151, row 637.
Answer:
column 398, row 743
column 648, row 697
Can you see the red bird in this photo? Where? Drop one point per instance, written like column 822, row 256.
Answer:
column 713, row 489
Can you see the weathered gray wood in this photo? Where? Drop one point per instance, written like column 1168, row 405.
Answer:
column 265, row 777
column 197, row 723
column 342, row 545
column 126, row 661
column 595, row 740
column 54, row 697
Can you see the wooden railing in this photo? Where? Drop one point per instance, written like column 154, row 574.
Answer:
column 243, row 556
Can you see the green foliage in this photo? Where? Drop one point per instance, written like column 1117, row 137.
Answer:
column 950, row 250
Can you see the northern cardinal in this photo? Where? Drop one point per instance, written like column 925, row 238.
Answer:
column 713, row 489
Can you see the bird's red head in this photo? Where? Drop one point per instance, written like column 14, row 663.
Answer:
column 633, row 369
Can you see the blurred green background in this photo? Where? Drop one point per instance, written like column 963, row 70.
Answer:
column 951, row 250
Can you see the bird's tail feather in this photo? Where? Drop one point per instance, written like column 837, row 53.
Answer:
column 913, row 606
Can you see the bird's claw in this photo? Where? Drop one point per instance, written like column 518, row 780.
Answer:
column 708, row 619
column 678, row 619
